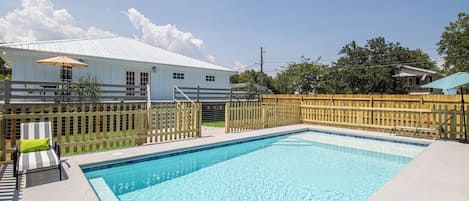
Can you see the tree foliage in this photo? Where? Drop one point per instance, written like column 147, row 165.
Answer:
column 370, row 68
column 360, row 69
column 303, row 77
column 454, row 44
column 5, row 71
column 87, row 87
column 252, row 78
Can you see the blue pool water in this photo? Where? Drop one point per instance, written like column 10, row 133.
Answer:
column 300, row 166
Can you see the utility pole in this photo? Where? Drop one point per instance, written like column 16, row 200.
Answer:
column 262, row 66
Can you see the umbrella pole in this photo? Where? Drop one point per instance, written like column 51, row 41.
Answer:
column 62, row 83
column 463, row 114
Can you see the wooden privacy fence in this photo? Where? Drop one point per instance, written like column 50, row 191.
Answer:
column 386, row 119
column 369, row 100
column 381, row 112
column 425, row 113
column 243, row 116
column 94, row 127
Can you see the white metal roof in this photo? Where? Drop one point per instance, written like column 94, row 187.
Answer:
column 115, row 48
column 417, row 69
column 402, row 74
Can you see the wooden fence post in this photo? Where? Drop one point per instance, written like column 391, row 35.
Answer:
column 199, row 121
column 174, row 93
column 7, row 90
column 372, row 111
column 466, row 119
column 264, row 115
column 227, row 117
column 2, row 135
column 453, row 123
column 198, row 93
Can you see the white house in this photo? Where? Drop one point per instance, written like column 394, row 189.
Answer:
column 115, row 60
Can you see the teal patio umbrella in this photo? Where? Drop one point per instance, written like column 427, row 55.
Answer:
column 449, row 82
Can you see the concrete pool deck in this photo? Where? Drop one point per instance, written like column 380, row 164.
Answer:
column 440, row 172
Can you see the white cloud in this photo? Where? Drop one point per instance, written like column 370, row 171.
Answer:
column 39, row 20
column 168, row 37
column 240, row 67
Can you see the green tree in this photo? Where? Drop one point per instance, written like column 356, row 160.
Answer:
column 454, row 44
column 5, row 71
column 306, row 76
column 370, row 68
column 87, row 87
column 333, row 83
column 252, row 77
column 234, row 79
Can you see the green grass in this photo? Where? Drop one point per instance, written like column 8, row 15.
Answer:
column 96, row 148
column 219, row 124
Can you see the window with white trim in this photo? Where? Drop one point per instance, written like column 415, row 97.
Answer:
column 210, row 78
column 66, row 74
column 143, row 82
column 130, row 81
column 178, row 76
column 136, row 82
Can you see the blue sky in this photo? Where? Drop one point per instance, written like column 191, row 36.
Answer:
column 233, row 31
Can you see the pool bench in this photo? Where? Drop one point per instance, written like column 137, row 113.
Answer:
column 439, row 129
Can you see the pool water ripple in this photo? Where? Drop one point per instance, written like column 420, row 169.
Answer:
column 289, row 167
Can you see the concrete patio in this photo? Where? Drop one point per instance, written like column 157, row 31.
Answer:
column 440, row 172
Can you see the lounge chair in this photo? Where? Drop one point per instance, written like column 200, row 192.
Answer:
column 24, row 163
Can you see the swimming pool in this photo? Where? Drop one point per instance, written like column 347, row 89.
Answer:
column 306, row 165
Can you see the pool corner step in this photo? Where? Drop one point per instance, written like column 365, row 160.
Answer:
column 103, row 190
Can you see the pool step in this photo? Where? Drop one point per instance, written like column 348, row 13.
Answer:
column 103, row 190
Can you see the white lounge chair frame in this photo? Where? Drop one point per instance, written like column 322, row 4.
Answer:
column 24, row 163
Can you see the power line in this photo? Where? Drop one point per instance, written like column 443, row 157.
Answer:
column 285, row 61
column 331, row 59
column 415, row 61
column 391, row 63
column 382, row 65
column 276, row 69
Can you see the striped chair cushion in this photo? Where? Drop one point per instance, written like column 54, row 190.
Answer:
column 39, row 159
column 36, row 130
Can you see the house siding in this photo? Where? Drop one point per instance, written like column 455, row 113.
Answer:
column 111, row 71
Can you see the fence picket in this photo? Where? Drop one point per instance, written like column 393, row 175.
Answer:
column 369, row 112
column 93, row 127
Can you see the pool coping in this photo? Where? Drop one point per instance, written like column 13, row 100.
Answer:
column 247, row 136
column 83, row 191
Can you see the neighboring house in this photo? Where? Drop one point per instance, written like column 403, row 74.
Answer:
column 115, row 60
column 416, row 77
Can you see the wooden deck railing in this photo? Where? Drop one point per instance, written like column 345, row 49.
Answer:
column 197, row 94
column 33, row 91
column 94, row 127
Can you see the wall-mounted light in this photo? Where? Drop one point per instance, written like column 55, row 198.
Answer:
column 153, row 69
